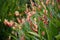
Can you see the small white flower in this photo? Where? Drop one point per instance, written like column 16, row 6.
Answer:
column 16, row 13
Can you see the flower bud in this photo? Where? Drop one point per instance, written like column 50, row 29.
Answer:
column 23, row 20
column 45, row 22
column 39, row 18
column 32, row 3
column 29, row 14
column 11, row 23
column 19, row 20
column 47, row 2
column 6, row 22
column 45, row 11
column 44, row 17
column 35, row 25
column 43, row 33
column 16, row 13
column 28, row 18
column 39, row 7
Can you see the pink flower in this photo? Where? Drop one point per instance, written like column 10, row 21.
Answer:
column 23, row 21
column 33, row 12
column 27, row 10
column 39, row 18
column 19, row 20
column 29, row 14
column 47, row 2
column 35, row 30
column 39, row 7
column 35, row 25
column 32, row 3
column 43, row 33
column 28, row 18
column 45, row 22
column 11, row 23
column 6, row 22
column 45, row 17
column 45, row 11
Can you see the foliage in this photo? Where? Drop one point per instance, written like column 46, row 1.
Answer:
column 29, row 20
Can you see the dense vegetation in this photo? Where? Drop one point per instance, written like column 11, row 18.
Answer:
column 29, row 19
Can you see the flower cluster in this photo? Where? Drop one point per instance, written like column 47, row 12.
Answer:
column 13, row 24
column 9, row 23
column 29, row 12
